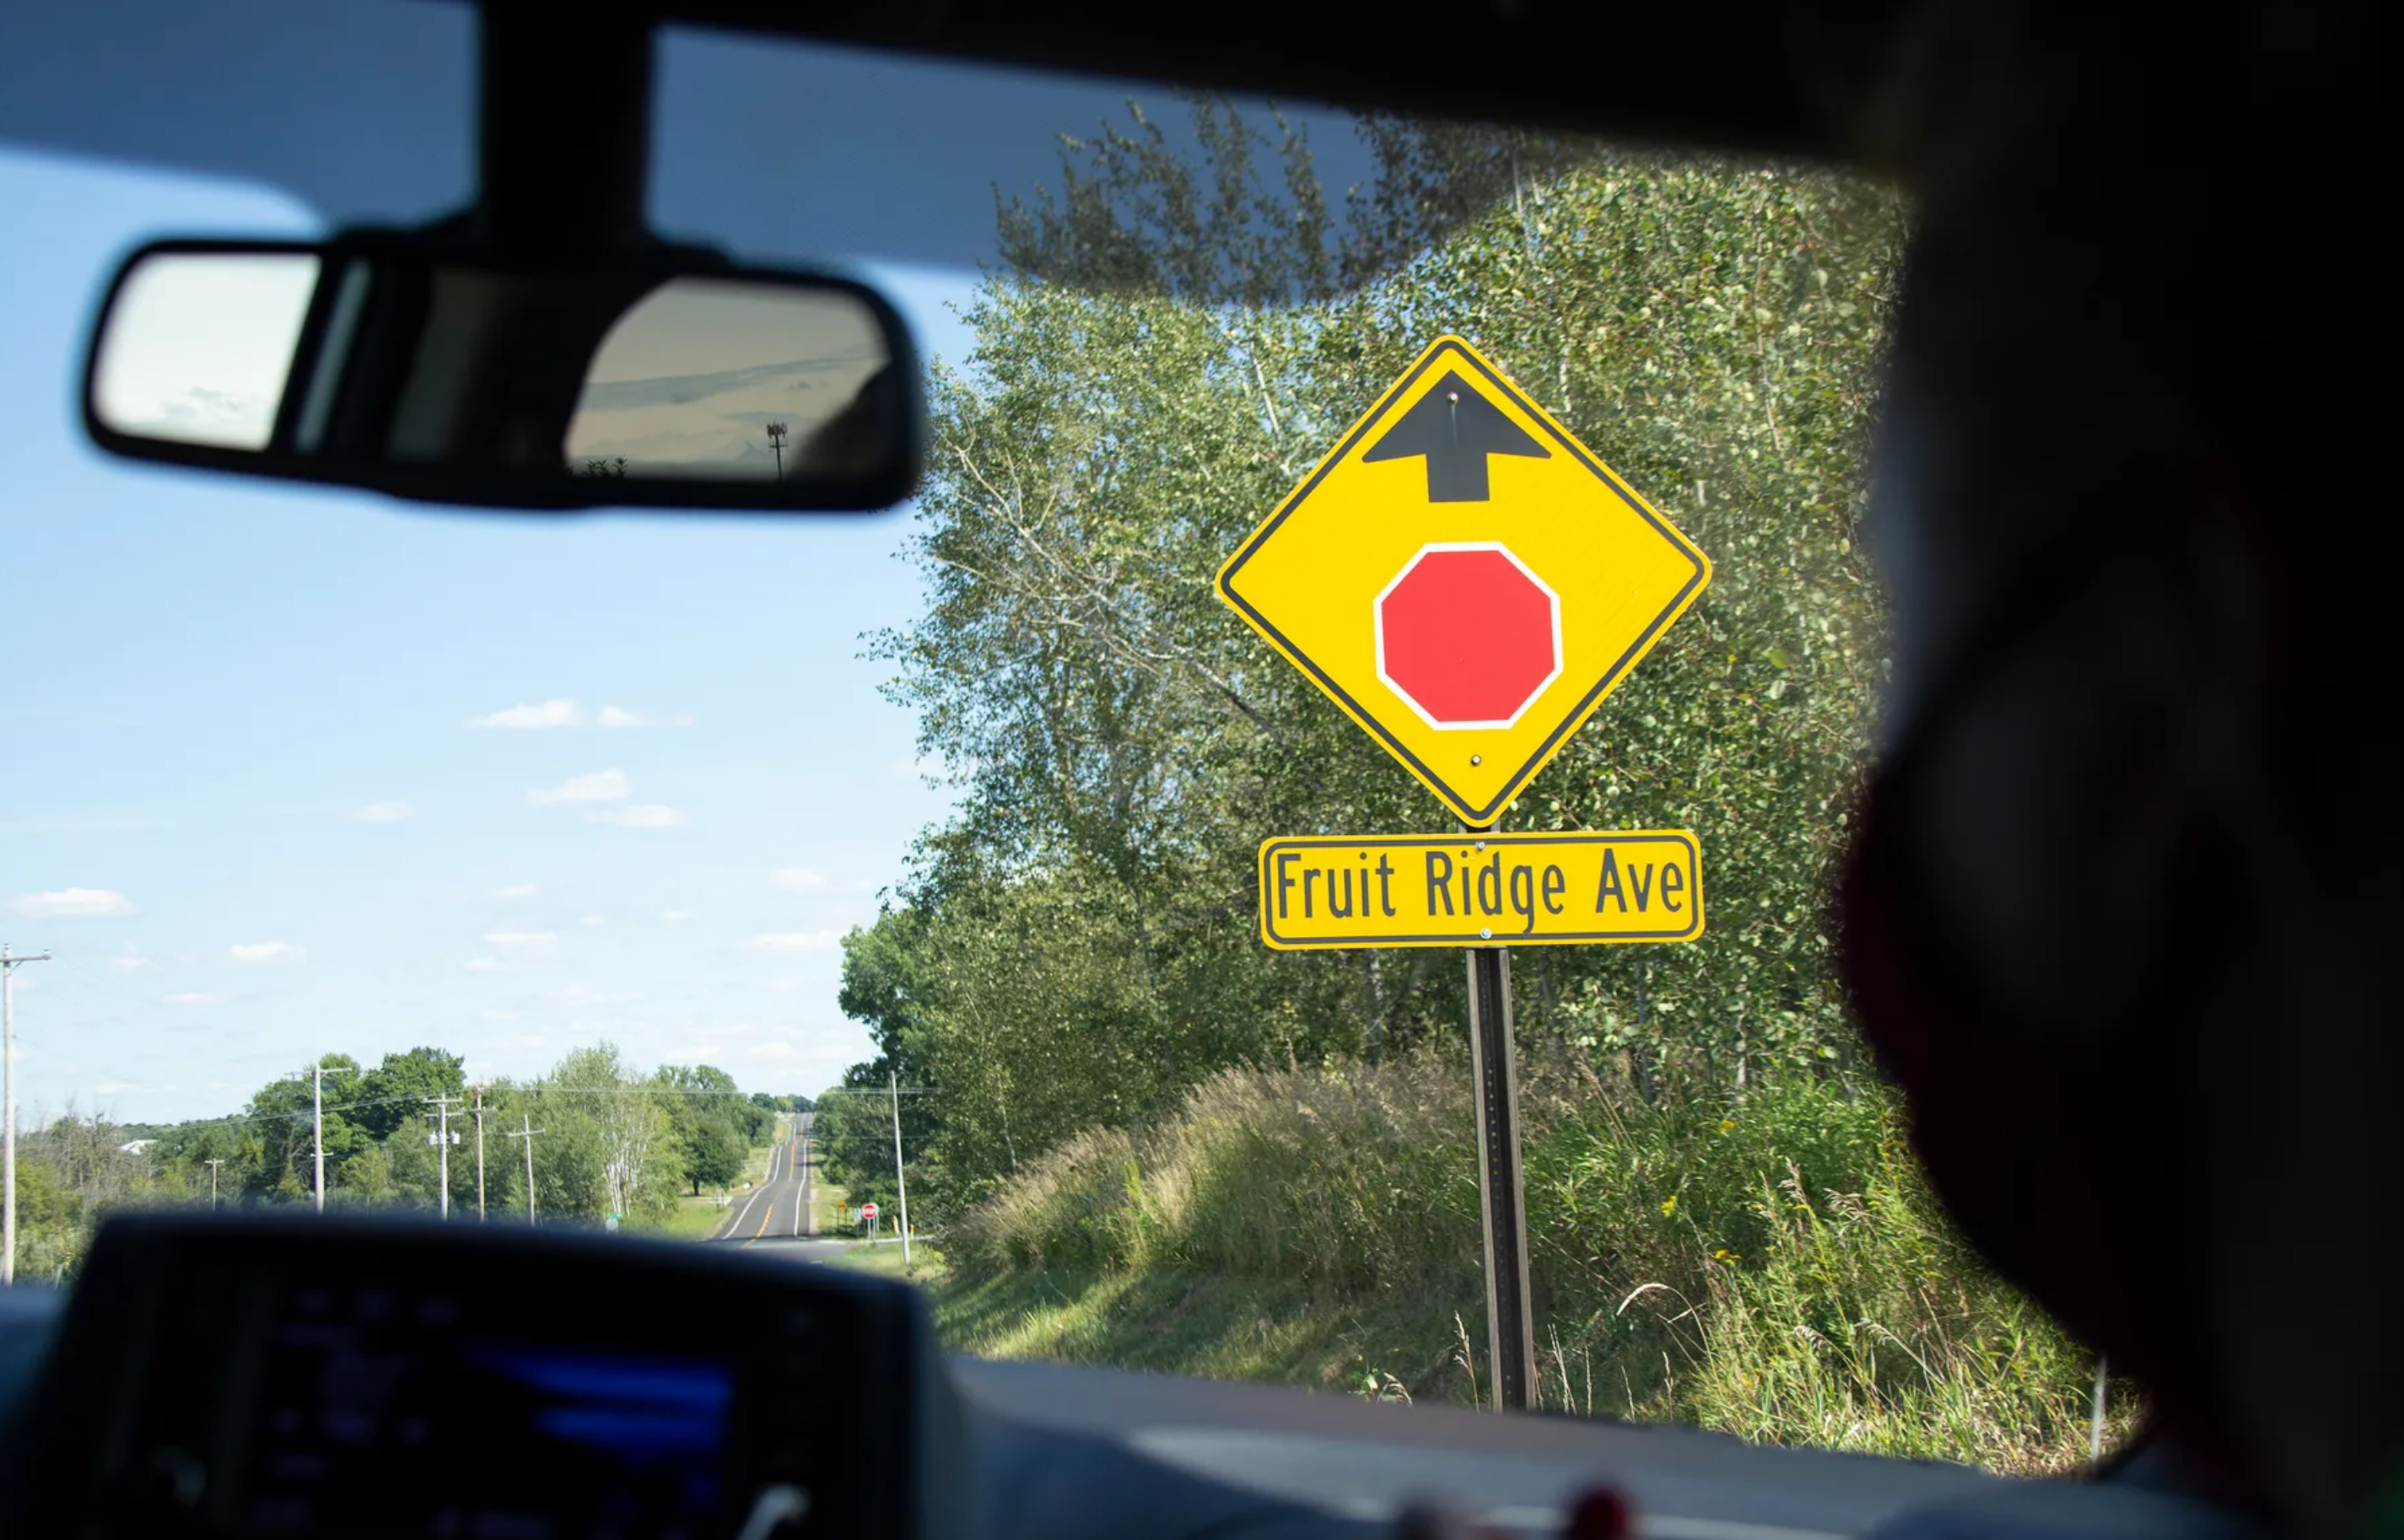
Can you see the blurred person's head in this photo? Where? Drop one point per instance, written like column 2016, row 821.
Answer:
column 866, row 436
column 2122, row 908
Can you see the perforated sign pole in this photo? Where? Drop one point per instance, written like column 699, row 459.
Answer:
column 1510, row 1326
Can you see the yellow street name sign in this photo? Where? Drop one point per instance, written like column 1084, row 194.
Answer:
column 1463, row 578
column 1481, row 889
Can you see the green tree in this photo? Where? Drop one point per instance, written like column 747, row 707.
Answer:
column 71, row 1172
column 280, row 1119
column 1172, row 342
column 395, row 1095
column 712, row 1123
column 713, row 1153
column 609, row 1145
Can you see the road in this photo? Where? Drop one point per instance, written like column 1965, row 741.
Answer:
column 775, row 1216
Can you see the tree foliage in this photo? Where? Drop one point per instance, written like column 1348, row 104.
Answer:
column 611, row 1140
column 1177, row 333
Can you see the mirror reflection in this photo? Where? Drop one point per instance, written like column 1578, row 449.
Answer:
column 199, row 345
column 508, row 381
column 718, row 378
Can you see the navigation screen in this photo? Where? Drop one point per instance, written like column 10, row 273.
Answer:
column 381, row 1415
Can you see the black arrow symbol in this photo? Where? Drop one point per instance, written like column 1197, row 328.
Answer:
column 1456, row 429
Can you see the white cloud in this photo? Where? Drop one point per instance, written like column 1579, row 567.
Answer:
column 516, row 890
column 600, row 786
column 593, row 920
column 482, row 965
column 500, row 1016
column 784, row 986
column 648, row 815
column 391, row 810
column 521, row 941
column 190, row 996
column 131, row 962
column 618, row 716
column 795, row 880
column 525, row 716
column 797, row 941
column 771, row 1050
column 75, row 903
column 675, row 917
column 268, row 951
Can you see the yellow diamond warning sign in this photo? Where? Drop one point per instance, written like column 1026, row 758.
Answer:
column 1464, row 579
column 1481, row 889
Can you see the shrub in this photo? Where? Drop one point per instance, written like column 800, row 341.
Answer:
column 1772, row 1265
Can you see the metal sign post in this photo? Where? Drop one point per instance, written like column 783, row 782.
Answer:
column 1502, row 1196
column 1467, row 581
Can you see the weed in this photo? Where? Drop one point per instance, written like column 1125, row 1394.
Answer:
column 1773, row 1266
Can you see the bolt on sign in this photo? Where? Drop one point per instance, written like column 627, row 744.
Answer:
column 1464, row 579
column 1481, row 891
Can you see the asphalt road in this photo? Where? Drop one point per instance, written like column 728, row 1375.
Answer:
column 775, row 1215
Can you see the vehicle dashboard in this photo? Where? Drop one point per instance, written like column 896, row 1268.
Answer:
column 258, row 1376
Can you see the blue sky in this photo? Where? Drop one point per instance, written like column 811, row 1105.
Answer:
column 272, row 780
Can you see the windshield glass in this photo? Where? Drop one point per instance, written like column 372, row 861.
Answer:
column 778, row 883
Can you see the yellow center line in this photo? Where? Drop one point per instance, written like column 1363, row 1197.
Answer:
column 771, row 1212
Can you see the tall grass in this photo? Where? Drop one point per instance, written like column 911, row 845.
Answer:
column 1772, row 1265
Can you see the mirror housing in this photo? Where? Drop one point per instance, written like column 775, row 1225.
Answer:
column 668, row 377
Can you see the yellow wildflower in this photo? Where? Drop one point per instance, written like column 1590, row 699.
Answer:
column 1670, row 1206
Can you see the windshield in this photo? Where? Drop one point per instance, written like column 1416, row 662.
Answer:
column 783, row 883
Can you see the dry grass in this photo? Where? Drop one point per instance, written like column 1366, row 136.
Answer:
column 1772, row 1265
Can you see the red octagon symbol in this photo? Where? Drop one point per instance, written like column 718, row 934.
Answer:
column 1467, row 635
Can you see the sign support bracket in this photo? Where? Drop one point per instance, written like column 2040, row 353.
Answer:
column 1510, row 1324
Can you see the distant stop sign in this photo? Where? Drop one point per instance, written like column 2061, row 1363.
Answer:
column 868, row 1211
column 1468, row 635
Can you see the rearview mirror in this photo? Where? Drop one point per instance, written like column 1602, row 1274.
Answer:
column 673, row 380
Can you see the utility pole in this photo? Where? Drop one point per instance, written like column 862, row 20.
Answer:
column 442, row 1138
column 894, row 1091
column 213, row 1183
column 526, row 1122
column 901, row 1187
column 479, row 1153
column 8, row 963
column 318, row 1123
column 317, row 1120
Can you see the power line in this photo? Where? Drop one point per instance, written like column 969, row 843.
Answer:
column 531, row 1090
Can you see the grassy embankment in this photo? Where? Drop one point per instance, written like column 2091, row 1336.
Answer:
column 1772, row 1267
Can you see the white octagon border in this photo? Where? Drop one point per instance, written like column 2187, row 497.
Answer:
column 1378, row 619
